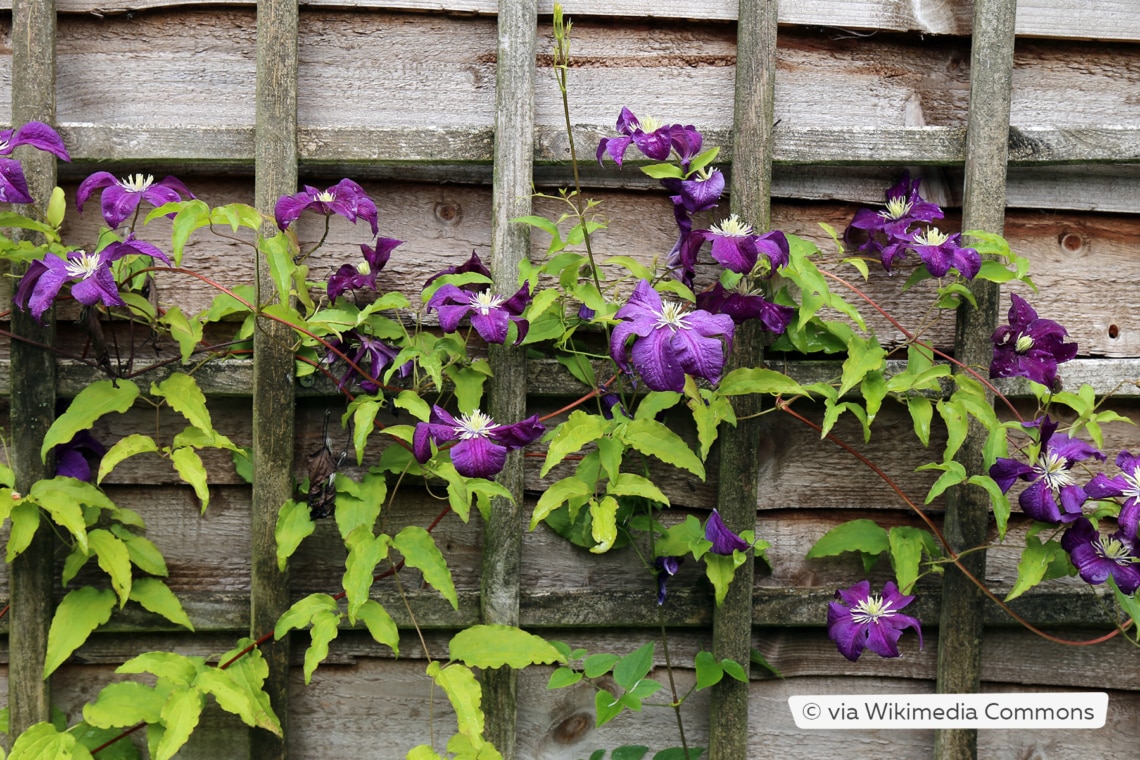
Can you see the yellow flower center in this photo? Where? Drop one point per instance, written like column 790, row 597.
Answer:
column 732, row 227
column 1024, row 343
column 1115, row 550
column 136, row 183
column 649, row 124
column 896, row 208
column 672, row 316
column 871, row 610
column 363, row 268
column 326, row 196
column 83, row 265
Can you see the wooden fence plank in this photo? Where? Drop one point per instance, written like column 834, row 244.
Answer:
column 740, row 463
column 273, row 385
column 967, row 507
column 510, row 245
column 33, row 381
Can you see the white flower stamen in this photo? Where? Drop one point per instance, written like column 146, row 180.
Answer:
column 648, row 124
column 136, row 183
column 484, row 301
column 326, row 196
column 871, row 610
column 672, row 316
column 1115, row 550
column 1133, row 481
column 1024, row 343
column 474, row 425
column 933, row 237
column 731, row 227
column 82, row 264
column 1053, row 469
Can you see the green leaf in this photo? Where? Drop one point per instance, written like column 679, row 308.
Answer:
column 25, row 520
column 124, row 704
column 187, row 332
column 921, row 413
column 179, row 717
column 556, row 495
column 597, row 665
column 606, row 707
column 1036, row 560
column 853, row 536
column 62, row 497
column 155, row 596
column 468, row 384
column 294, row 525
column 135, row 443
column 420, row 552
column 176, row 669
column 380, row 625
column 42, row 741
column 733, row 669
column 907, row 545
column 655, row 439
column 233, row 697
column 249, row 672
column 709, row 671
column 279, row 252
column 953, row 473
column 1128, row 603
column 463, row 691
column 720, row 570
column 629, row 484
column 663, row 171
column 190, row 468
column 563, row 677
column 634, row 666
column 115, row 560
column 603, row 524
column 326, row 625
column 365, row 553
column 97, row 399
column 629, row 752
column 493, row 646
column 143, row 553
column 182, row 393
column 578, row 430
column 78, row 615
column 302, row 613
column 863, row 356
column 360, row 503
column 656, row 402
column 56, row 207
column 237, row 215
column 758, row 380
column 998, row 500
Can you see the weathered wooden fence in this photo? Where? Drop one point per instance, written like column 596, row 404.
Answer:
column 447, row 111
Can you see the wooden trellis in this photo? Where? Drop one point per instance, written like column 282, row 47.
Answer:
column 289, row 120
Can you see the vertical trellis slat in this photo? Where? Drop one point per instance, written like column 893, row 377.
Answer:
column 737, row 482
column 273, row 396
column 510, row 244
column 33, row 381
column 967, row 513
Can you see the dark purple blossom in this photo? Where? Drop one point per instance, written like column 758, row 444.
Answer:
column 699, row 192
column 90, row 275
column 862, row 620
column 670, row 340
column 491, row 314
column 473, row 265
column 736, row 248
column 887, row 231
column 13, row 184
column 482, row 445
column 121, row 197
column 744, row 303
column 1098, row 556
column 345, row 198
column 653, row 139
column 724, row 541
column 1053, row 495
column 1126, row 485
column 665, row 568
column 370, row 354
column 79, row 457
column 940, row 252
column 1030, row 347
column 363, row 275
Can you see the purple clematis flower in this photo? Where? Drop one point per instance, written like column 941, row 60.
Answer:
column 743, row 304
column 363, row 275
column 1097, row 556
column 491, row 314
column 939, row 252
column 670, row 341
column 370, row 354
column 653, row 139
column 1029, row 347
column 79, row 457
column 90, row 273
column 724, row 541
column 1053, row 495
column 1126, row 484
column 700, row 192
column 887, row 230
column 13, row 184
column 737, row 249
column 121, row 197
column 862, row 620
column 665, row 568
column 482, row 445
column 473, row 265
column 345, row 198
